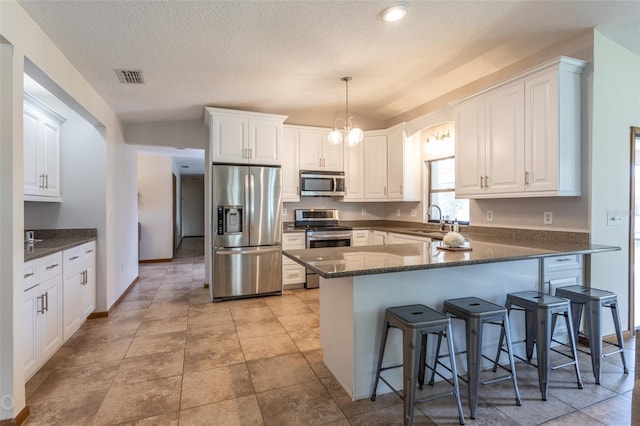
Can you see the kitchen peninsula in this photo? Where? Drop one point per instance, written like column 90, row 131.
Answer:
column 358, row 283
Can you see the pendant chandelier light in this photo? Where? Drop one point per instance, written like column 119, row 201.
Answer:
column 353, row 135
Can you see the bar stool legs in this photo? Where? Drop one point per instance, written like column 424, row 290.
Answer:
column 540, row 310
column 476, row 313
column 595, row 300
column 415, row 322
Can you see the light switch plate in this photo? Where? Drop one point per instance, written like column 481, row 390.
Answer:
column 489, row 215
column 364, row 212
column 614, row 218
column 414, row 212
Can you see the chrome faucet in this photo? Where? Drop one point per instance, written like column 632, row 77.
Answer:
column 432, row 206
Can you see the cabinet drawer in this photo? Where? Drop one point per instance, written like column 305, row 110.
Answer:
column 293, row 274
column 30, row 275
column 293, row 240
column 49, row 267
column 288, row 261
column 361, row 237
column 72, row 257
column 563, row 263
column 88, row 252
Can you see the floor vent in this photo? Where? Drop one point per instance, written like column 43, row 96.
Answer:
column 130, row 76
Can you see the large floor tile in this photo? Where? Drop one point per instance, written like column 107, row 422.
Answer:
column 167, row 342
column 613, row 412
column 280, row 371
column 266, row 347
column 160, row 326
column 169, row 419
column 304, row 404
column 137, row 401
column 242, row 411
column 218, row 384
column 78, row 410
column 149, row 367
column 204, row 354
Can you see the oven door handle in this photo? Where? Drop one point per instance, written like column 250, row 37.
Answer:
column 324, row 237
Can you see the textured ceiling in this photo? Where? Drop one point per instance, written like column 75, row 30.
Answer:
column 287, row 57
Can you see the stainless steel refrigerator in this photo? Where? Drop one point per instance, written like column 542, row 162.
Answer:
column 247, row 229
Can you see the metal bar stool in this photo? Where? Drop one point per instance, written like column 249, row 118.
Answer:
column 540, row 310
column 416, row 322
column 595, row 300
column 476, row 313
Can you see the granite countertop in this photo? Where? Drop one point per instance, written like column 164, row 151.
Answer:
column 55, row 240
column 337, row 262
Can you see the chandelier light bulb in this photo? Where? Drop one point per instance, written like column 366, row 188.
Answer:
column 354, row 135
column 335, row 137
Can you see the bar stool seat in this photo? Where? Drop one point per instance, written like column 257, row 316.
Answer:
column 540, row 312
column 416, row 322
column 594, row 299
column 476, row 313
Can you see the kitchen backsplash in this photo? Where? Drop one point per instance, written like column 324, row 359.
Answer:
column 354, row 211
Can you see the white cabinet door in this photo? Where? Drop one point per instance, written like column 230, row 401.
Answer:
column 30, row 316
column 265, row 142
column 375, row 167
column 379, row 238
column 470, row 123
column 51, row 167
column 317, row 154
column 395, row 165
column 89, row 290
column 332, row 154
column 32, row 175
column 393, row 238
column 72, row 297
column 41, row 142
column 290, row 165
column 311, row 150
column 229, row 139
column 504, row 139
column 542, row 133
column 360, row 237
column 51, row 320
column 354, row 172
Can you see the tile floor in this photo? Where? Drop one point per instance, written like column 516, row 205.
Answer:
column 168, row 356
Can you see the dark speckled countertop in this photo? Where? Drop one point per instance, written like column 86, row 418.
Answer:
column 337, row 262
column 55, row 240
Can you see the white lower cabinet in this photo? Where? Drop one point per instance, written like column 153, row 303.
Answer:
column 562, row 271
column 393, row 238
column 361, row 237
column 79, row 286
column 42, row 311
column 293, row 274
column 379, row 238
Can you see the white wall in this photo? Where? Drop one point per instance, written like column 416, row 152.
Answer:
column 616, row 107
column 30, row 43
column 192, row 206
column 179, row 133
column 155, row 203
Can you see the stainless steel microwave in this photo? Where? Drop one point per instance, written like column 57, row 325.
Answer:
column 315, row 183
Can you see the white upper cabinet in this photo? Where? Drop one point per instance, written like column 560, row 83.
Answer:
column 316, row 153
column 290, row 165
column 375, row 166
column 522, row 138
column 354, row 172
column 244, row 137
column 403, row 165
column 41, row 139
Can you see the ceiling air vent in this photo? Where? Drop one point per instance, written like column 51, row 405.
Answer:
column 130, row 76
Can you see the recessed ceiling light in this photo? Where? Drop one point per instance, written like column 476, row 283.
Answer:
column 394, row 13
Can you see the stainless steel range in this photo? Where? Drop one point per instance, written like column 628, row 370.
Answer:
column 322, row 230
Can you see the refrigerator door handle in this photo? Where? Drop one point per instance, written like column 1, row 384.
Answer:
column 255, row 250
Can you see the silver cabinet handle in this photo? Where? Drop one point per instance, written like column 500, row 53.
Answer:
column 55, row 265
column 46, row 179
column 29, row 275
column 486, row 181
column 86, row 277
column 254, row 251
column 41, row 299
column 74, row 257
column 41, row 178
column 46, row 298
column 401, row 189
column 526, row 178
column 385, row 190
column 89, row 251
column 250, row 152
column 481, row 182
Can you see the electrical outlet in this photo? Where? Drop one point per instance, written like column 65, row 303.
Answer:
column 397, row 212
column 364, row 212
column 489, row 215
column 547, row 218
column 284, row 212
column 414, row 212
